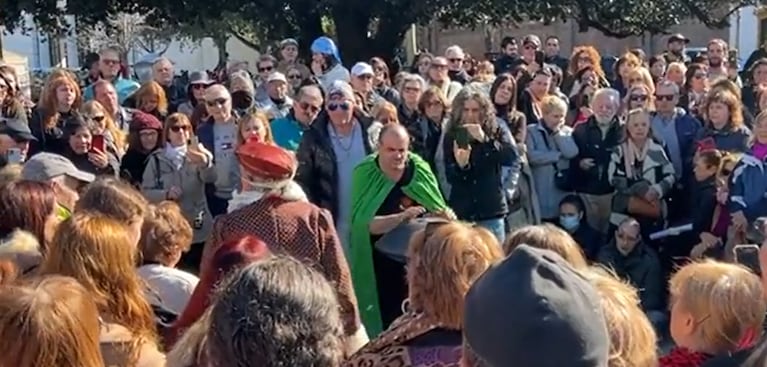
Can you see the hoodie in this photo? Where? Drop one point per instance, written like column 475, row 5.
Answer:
column 336, row 71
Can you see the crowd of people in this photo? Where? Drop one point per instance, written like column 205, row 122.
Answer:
column 534, row 210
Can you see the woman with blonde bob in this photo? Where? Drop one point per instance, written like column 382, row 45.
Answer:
column 100, row 254
column 444, row 260
column 51, row 321
column 633, row 342
column 547, row 237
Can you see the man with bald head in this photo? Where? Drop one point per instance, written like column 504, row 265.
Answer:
column 219, row 136
column 389, row 188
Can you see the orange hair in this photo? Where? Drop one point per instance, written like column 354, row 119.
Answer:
column 592, row 54
column 49, row 100
column 98, row 252
column 51, row 321
column 152, row 89
column 443, row 265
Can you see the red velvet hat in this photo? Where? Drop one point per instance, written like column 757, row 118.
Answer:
column 266, row 162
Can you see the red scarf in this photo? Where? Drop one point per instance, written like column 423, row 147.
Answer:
column 683, row 357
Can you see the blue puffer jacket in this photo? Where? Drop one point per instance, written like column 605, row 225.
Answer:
column 748, row 188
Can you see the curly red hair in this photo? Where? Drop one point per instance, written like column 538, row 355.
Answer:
column 592, row 54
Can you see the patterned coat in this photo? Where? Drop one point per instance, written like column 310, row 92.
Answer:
column 298, row 229
column 656, row 172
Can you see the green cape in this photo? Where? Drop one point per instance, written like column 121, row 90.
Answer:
column 369, row 190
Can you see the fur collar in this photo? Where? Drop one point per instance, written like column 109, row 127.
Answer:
column 290, row 192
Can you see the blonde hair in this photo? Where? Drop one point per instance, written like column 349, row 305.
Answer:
column 93, row 108
column 152, row 89
column 634, row 114
column 551, row 103
column 115, row 199
column 165, row 234
column 443, row 264
column 10, row 173
column 51, row 321
column 255, row 116
column 650, row 103
column 99, row 253
column 633, row 342
column 644, row 74
column 725, row 300
column 547, row 237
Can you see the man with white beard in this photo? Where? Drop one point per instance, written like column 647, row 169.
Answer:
column 596, row 139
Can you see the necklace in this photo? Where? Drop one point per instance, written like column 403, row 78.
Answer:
column 340, row 139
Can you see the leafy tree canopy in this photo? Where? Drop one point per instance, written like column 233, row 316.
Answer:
column 377, row 27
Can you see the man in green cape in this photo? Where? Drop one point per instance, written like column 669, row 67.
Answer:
column 372, row 181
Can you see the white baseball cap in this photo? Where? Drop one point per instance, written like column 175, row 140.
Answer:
column 362, row 68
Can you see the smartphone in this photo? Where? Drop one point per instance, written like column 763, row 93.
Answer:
column 748, row 256
column 194, row 141
column 13, row 155
column 98, row 143
column 462, row 138
column 586, row 100
column 539, row 57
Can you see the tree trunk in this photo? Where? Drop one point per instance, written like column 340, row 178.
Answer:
column 223, row 56
column 352, row 26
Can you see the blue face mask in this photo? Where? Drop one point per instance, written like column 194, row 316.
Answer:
column 569, row 222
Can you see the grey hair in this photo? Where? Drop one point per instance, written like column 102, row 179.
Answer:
column 276, row 312
column 242, row 75
column 610, row 93
column 470, row 92
column 162, row 59
column 408, row 77
column 665, row 83
column 454, row 49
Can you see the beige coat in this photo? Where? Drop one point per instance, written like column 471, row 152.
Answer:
column 160, row 175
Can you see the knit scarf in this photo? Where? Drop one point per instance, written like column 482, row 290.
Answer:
column 176, row 155
column 633, row 154
column 683, row 357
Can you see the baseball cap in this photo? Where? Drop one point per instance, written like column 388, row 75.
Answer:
column 530, row 304
column 678, row 37
column 342, row 88
column 276, row 77
column 362, row 68
column 18, row 130
column 531, row 38
column 44, row 167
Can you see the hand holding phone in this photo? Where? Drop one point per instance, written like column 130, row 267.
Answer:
column 462, row 137
column 748, row 256
column 98, row 143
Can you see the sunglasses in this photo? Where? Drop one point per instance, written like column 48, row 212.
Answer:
column 266, row 68
column 294, row 76
column 639, row 98
column 412, row 89
column 344, row 106
column 309, row 107
column 217, row 102
column 664, row 97
column 178, row 128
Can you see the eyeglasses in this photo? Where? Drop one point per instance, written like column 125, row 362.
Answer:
column 412, row 89
column 664, row 97
column 434, row 104
column 344, row 106
column 639, row 97
column 178, row 128
column 266, row 68
column 110, row 62
column 294, row 76
column 309, row 107
column 217, row 102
